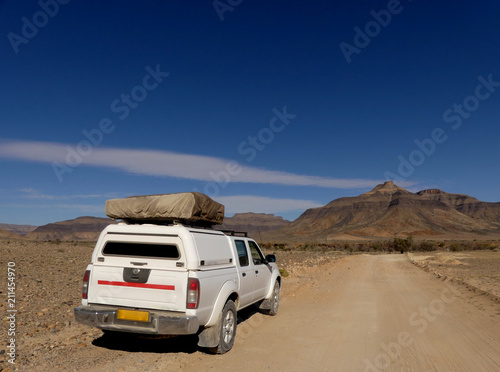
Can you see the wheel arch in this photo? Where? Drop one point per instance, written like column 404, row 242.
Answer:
column 276, row 277
column 229, row 291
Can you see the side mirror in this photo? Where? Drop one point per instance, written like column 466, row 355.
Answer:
column 271, row 258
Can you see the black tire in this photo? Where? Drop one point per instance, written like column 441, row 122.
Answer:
column 275, row 300
column 227, row 331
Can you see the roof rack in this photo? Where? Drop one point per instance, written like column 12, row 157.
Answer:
column 234, row 233
column 177, row 221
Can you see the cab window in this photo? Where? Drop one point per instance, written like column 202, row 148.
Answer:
column 257, row 257
column 242, row 252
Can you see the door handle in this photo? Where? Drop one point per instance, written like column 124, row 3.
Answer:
column 256, row 271
column 244, row 274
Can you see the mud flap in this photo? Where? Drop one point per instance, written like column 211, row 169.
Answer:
column 210, row 337
column 265, row 305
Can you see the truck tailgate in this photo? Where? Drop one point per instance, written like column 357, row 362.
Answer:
column 138, row 272
column 164, row 289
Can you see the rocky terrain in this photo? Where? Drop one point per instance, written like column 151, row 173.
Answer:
column 479, row 271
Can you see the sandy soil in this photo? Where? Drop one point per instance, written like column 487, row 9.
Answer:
column 356, row 313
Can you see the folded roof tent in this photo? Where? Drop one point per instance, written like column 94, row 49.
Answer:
column 192, row 208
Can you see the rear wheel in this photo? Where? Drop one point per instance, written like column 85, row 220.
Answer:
column 227, row 332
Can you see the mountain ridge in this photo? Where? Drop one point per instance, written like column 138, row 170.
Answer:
column 389, row 210
column 385, row 211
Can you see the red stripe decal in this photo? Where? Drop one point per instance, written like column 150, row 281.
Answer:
column 137, row 285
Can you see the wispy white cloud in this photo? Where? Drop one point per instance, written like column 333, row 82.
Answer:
column 259, row 204
column 81, row 208
column 29, row 193
column 167, row 163
column 35, row 194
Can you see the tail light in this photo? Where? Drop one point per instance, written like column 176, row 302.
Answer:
column 85, row 286
column 193, row 293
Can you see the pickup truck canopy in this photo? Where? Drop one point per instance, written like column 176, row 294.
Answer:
column 191, row 207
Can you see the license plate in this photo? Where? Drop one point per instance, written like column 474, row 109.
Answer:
column 138, row 316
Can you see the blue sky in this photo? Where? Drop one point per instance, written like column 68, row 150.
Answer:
column 269, row 107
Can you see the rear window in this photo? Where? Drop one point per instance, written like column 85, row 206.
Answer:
column 141, row 250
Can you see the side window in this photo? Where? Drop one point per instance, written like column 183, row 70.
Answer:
column 242, row 252
column 256, row 253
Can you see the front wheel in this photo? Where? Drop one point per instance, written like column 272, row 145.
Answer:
column 274, row 301
column 227, row 332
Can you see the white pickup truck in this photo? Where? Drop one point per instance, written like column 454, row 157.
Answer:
column 175, row 280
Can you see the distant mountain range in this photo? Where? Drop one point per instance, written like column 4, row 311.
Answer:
column 386, row 211
column 89, row 228
column 254, row 223
column 81, row 228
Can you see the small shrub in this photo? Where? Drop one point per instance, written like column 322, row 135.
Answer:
column 348, row 247
column 457, row 247
column 284, row 273
column 402, row 245
column 426, row 247
column 481, row 246
column 378, row 247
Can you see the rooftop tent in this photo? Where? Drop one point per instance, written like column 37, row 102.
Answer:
column 191, row 207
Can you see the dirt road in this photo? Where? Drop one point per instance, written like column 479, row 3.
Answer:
column 369, row 313
column 358, row 313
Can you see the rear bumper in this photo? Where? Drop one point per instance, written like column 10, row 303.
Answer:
column 160, row 322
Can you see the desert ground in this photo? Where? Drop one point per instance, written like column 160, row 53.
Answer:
column 437, row 311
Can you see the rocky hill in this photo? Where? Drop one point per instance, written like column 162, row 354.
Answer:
column 389, row 210
column 8, row 235
column 17, row 229
column 253, row 223
column 81, row 228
